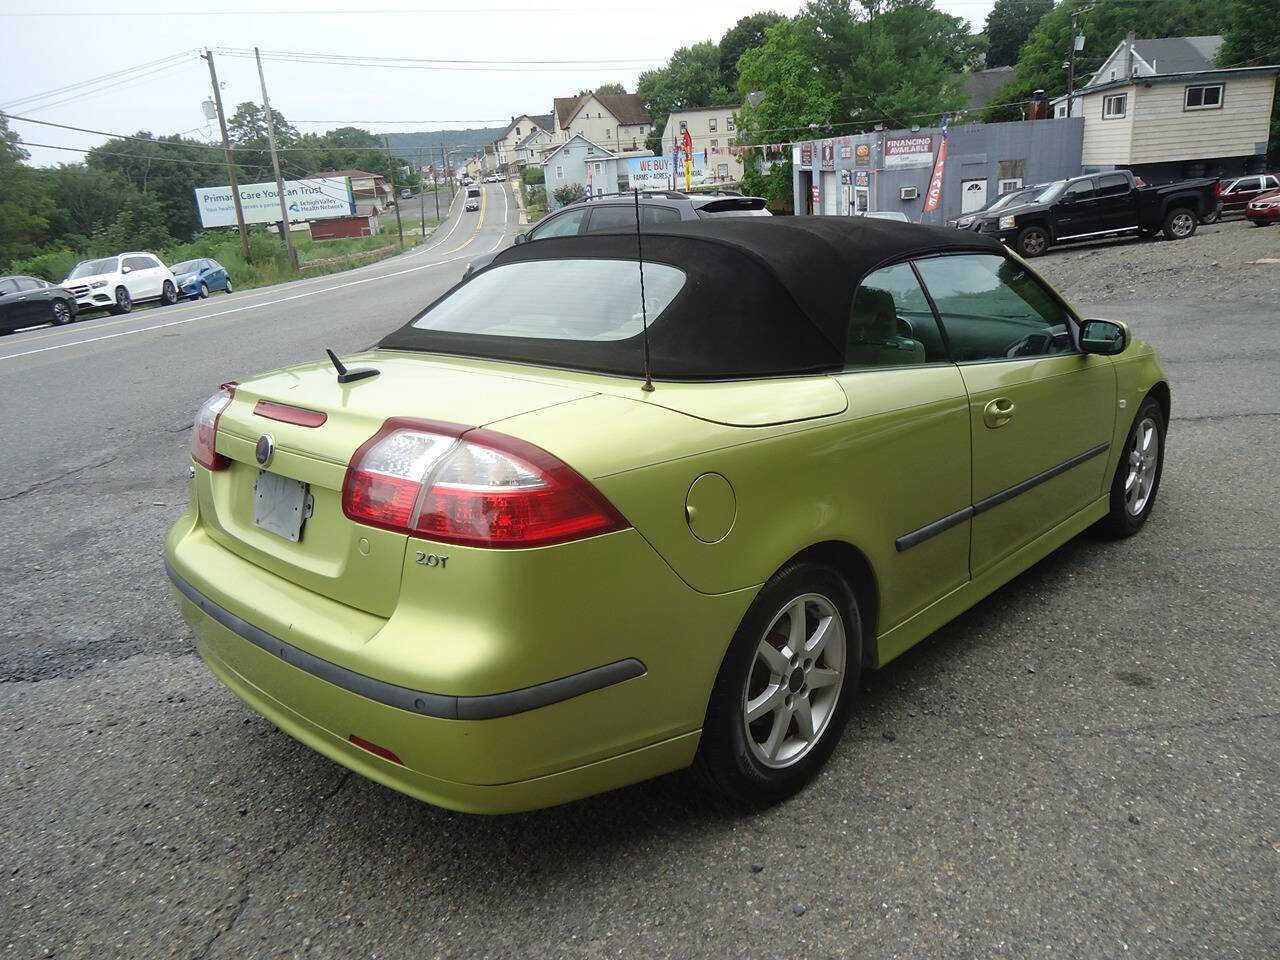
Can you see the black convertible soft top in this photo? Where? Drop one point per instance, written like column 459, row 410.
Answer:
column 764, row 296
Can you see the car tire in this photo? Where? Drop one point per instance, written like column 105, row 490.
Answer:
column 1179, row 224
column 229, row 290
column 757, row 763
column 1137, row 478
column 124, row 302
column 1033, row 241
column 168, row 294
column 60, row 313
column 204, row 290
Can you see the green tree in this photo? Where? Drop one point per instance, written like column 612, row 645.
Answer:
column 247, row 129
column 691, row 78
column 606, row 90
column 744, row 35
column 1039, row 65
column 1251, row 38
column 22, row 225
column 1009, row 24
column 569, row 193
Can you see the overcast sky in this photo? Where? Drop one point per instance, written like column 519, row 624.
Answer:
column 48, row 46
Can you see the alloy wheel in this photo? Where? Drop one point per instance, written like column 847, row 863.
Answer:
column 1033, row 244
column 61, row 313
column 794, row 683
column 1183, row 224
column 1144, row 458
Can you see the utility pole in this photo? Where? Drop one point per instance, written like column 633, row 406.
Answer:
column 275, row 163
column 231, row 164
column 422, row 201
column 391, row 166
column 435, row 188
column 448, row 172
column 1076, row 16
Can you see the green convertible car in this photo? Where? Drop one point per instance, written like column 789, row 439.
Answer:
column 490, row 564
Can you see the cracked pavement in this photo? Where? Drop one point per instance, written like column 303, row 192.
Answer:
column 1086, row 764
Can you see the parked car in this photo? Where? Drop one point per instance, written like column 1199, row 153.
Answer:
column 484, row 564
column 613, row 211
column 1237, row 192
column 1264, row 210
column 896, row 215
column 195, row 278
column 971, row 221
column 1100, row 205
column 405, row 193
column 117, row 283
column 29, row 301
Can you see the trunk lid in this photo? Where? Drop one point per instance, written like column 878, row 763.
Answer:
column 348, row 562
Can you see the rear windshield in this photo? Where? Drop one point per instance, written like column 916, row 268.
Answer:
column 473, row 191
column 734, row 207
column 92, row 267
column 578, row 300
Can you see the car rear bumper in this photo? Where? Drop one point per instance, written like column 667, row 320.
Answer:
column 508, row 707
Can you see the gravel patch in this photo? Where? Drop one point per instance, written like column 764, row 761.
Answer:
column 1217, row 262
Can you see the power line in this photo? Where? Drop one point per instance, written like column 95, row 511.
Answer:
column 133, row 156
column 32, row 14
column 359, row 58
column 172, row 59
column 123, row 81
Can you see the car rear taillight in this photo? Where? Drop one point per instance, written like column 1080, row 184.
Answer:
column 474, row 487
column 204, row 435
column 1217, row 188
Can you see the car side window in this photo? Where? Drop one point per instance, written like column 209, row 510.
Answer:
column 652, row 216
column 8, row 286
column 138, row 263
column 565, row 225
column 1112, row 185
column 891, row 323
column 27, row 283
column 1080, row 190
column 612, row 216
column 994, row 308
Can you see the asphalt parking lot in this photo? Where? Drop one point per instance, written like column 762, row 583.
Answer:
column 1087, row 764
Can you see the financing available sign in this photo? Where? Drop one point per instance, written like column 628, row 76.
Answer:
column 320, row 198
column 655, row 173
column 900, row 152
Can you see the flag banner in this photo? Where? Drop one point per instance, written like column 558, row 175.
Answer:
column 933, row 199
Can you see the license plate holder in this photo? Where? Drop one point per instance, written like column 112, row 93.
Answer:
column 281, row 505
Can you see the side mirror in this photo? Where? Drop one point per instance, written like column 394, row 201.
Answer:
column 1103, row 337
column 521, row 238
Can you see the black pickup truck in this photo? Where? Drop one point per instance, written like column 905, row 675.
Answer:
column 1100, row 205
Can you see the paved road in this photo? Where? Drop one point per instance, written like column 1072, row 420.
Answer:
column 1085, row 765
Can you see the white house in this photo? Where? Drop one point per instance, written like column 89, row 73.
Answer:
column 1146, row 58
column 582, row 163
column 520, row 128
column 533, row 147
column 711, row 130
column 619, row 122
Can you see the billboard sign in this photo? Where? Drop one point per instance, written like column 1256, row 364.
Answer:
column 901, row 152
column 320, row 198
column 655, row 173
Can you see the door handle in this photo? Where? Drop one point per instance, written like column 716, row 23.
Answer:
column 998, row 412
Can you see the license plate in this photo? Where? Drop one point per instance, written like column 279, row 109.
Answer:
column 280, row 505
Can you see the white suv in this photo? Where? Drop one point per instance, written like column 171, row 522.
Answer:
column 117, row 283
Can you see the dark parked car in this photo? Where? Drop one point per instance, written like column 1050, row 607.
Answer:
column 1100, row 205
column 28, row 301
column 613, row 211
column 197, row 277
column 1237, row 193
column 971, row 221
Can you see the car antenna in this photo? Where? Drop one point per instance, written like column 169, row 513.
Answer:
column 349, row 376
column 644, row 312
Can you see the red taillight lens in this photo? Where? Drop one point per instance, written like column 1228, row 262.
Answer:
column 472, row 487
column 1217, row 188
column 204, row 434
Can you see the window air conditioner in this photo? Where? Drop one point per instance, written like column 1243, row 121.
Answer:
column 909, row 193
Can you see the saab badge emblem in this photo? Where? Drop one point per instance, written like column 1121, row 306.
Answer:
column 264, row 450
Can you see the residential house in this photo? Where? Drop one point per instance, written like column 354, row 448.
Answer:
column 712, row 131
column 371, row 192
column 1162, row 110
column 618, row 122
column 534, row 147
column 518, row 130
column 581, row 162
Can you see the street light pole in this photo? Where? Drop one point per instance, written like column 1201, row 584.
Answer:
column 231, row 165
column 275, row 163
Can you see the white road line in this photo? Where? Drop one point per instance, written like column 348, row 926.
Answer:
column 502, row 234
column 223, row 313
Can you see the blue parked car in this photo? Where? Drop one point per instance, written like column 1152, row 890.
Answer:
column 197, row 277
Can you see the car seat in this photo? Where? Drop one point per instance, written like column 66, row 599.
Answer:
column 874, row 340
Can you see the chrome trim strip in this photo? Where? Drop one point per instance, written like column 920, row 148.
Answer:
column 909, row 540
column 486, row 707
column 987, row 503
column 929, row 530
column 1097, row 233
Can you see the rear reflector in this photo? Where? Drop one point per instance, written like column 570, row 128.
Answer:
column 471, row 486
column 285, row 413
column 376, row 750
